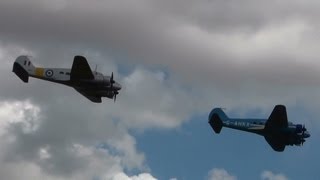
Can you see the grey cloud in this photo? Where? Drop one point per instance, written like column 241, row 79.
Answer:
column 276, row 59
column 174, row 34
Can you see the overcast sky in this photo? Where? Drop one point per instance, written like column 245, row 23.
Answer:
column 176, row 60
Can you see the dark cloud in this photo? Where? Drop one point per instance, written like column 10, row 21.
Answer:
column 221, row 41
column 194, row 39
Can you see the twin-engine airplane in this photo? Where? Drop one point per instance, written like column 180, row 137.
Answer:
column 91, row 84
column 277, row 131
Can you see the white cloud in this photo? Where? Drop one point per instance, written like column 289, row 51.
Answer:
column 100, row 165
column 127, row 147
column 268, row 175
column 220, row 174
column 44, row 154
column 23, row 113
column 149, row 100
column 143, row 176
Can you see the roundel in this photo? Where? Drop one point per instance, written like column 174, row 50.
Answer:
column 49, row 73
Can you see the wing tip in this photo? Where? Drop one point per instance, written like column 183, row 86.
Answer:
column 79, row 57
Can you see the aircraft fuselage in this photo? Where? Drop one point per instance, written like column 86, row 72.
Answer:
column 100, row 84
column 277, row 130
column 91, row 84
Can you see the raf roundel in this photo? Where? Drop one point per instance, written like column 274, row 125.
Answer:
column 49, row 73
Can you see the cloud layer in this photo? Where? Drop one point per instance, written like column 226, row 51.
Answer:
column 175, row 59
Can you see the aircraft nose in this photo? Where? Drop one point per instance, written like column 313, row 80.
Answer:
column 306, row 134
column 117, row 86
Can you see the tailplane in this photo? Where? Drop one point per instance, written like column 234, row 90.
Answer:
column 216, row 117
column 22, row 67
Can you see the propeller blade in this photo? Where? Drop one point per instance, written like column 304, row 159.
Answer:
column 111, row 79
column 114, row 97
column 304, row 128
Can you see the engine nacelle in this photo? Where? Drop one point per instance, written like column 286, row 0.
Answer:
column 298, row 141
column 299, row 128
column 102, row 80
column 108, row 94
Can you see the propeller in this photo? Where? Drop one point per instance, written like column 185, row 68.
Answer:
column 115, row 92
column 303, row 130
column 111, row 80
column 303, row 133
column 115, row 95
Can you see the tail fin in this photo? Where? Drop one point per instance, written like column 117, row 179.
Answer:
column 22, row 67
column 216, row 117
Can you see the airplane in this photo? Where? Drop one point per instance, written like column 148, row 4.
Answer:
column 91, row 84
column 277, row 131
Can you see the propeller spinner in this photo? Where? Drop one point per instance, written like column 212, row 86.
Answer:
column 115, row 92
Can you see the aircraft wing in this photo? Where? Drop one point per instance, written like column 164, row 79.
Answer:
column 275, row 143
column 278, row 118
column 91, row 96
column 80, row 69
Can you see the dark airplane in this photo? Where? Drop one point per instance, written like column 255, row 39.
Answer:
column 277, row 131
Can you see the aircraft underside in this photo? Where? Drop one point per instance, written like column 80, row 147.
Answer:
column 278, row 132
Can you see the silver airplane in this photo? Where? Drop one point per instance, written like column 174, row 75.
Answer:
column 91, row 84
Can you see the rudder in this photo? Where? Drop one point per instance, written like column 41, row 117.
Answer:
column 22, row 67
column 216, row 117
